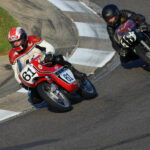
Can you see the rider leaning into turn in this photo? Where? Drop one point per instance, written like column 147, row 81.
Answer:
column 25, row 48
column 114, row 18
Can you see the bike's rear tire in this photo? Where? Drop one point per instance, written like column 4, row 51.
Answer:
column 44, row 90
column 87, row 89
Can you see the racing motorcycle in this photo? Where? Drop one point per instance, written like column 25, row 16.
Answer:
column 55, row 83
column 136, row 37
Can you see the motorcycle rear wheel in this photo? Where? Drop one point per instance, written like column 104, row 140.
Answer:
column 87, row 89
column 55, row 97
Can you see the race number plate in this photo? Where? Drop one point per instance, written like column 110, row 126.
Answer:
column 28, row 74
column 67, row 76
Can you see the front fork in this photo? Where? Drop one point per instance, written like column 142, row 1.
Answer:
column 145, row 45
column 53, row 86
column 147, row 48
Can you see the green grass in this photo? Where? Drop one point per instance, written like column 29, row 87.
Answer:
column 6, row 23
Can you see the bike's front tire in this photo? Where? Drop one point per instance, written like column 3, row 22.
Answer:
column 54, row 96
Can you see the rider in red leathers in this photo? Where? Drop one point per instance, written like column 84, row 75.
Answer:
column 25, row 48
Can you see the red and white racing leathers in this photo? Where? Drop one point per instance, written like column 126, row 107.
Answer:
column 19, row 61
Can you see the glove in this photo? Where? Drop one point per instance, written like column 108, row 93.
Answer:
column 48, row 58
column 143, row 27
column 128, row 39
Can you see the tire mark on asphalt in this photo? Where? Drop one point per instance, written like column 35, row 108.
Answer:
column 7, row 80
column 31, row 144
column 126, row 141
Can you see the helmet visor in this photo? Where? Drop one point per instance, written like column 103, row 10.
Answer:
column 111, row 20
column 17, row 43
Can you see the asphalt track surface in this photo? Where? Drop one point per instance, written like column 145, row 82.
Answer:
column 118, row 119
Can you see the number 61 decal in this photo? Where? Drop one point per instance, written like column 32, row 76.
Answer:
column 28, row 73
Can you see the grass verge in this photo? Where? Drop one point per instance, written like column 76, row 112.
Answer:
column 6, row 23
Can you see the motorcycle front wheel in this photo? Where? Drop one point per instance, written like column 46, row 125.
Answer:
column 142, row 50
column 144, row 54
column 54, row 96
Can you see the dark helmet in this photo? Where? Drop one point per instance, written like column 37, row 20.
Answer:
column 17, row 37
column 111, row 14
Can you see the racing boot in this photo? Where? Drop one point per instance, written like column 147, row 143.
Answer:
column 78, row 74
column 35, row 98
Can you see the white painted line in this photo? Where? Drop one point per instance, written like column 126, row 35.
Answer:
column 71, row 6
column 22, row 90
column 91, row 10
column 92, row 30
column 91, row 57
column 5, row 114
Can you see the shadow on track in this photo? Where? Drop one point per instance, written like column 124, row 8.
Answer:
column 30, row 145
column 125, row 141
column 136, row 64
column 74, row 100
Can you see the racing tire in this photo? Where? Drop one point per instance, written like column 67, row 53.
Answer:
column 142, row 52
column 54, row 97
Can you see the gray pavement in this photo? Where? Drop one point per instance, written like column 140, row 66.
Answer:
column 7, row 81
column 118, row 119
